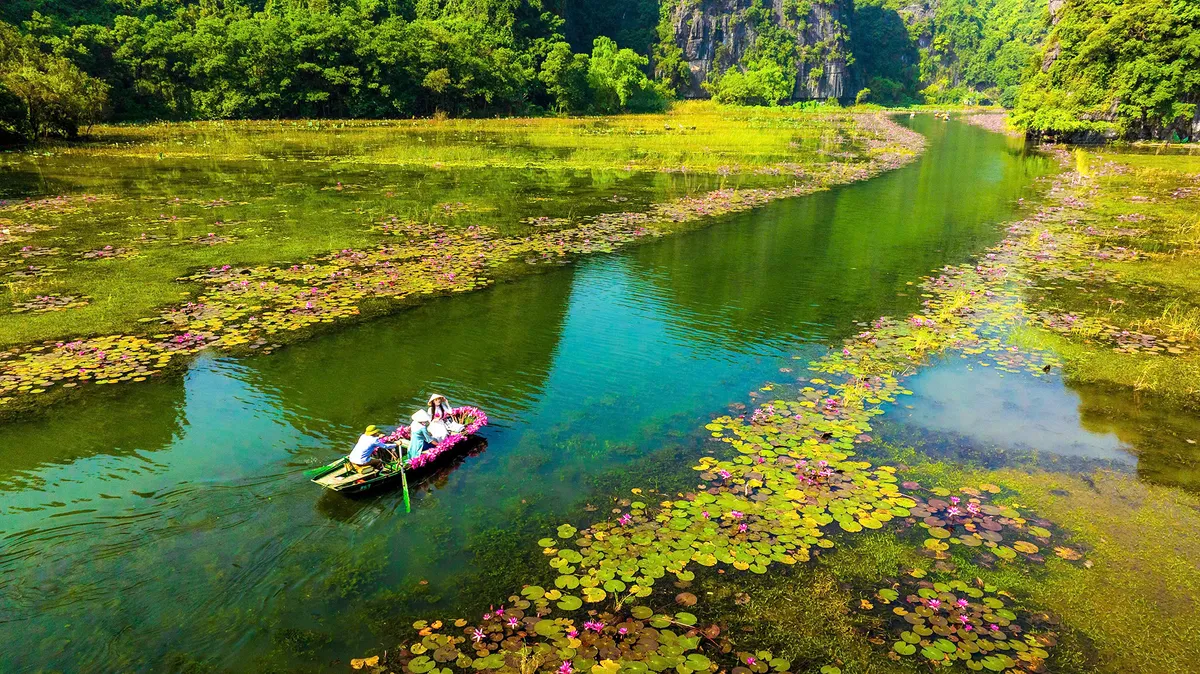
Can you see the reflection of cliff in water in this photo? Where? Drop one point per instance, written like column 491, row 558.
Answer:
column 1157, row 432
column 491, row 349
column 793, row 268
column 145, row 418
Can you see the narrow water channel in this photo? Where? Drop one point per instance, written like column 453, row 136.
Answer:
column 168, row 526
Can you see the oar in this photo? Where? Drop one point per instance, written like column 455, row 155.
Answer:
column 404, row 481
column 313, row 472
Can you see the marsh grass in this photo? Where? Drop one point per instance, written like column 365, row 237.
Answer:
column 692, row 136
column 1148, row 203
column 1177, row 321
column 285, row 192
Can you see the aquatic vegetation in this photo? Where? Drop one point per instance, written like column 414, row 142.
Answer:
column 261, row 307
column 970, row 520
column 43, row 303
column 950, row 621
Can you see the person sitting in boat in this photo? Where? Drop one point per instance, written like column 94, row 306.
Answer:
column 364, row 454
column 420, row 438
column 442, row 415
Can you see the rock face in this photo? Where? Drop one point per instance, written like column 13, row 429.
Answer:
column 716, row 34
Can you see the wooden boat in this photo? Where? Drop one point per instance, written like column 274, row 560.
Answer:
column 341, row 476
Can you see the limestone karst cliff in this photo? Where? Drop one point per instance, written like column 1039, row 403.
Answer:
column 717, row 34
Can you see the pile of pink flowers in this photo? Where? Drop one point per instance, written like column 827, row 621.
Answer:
column 472, row 419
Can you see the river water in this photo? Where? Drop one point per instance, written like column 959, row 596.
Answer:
column 168, row 527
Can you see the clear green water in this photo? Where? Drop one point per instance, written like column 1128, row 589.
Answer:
column 167, row 526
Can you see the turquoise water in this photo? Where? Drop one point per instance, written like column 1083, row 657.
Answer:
column 168, row 526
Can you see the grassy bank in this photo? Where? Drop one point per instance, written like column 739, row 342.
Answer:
column 1117, row 275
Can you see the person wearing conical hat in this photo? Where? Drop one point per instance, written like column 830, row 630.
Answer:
column 443, row 420
column 363, row 455
column 439, row 407
column 420, row 438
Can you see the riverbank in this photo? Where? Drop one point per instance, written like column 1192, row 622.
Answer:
column 112, row 313
column 908, row 561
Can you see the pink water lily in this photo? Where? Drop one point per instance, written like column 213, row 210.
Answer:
column 566, row 668
column 478, row 635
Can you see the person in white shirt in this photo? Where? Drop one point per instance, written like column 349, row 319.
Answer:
column 363, row 454
column 442, row 415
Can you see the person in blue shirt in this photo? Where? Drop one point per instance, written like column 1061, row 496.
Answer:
column 420, row 438
column 363, row 455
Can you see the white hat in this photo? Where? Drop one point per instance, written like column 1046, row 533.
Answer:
column 435, row 396
column 421, row 417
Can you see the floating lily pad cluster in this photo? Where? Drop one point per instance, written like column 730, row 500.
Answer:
column 529, row 633
column 108, row 253
column 46, row 303
column 27, row 252
column 969, row 519
column 949, row 622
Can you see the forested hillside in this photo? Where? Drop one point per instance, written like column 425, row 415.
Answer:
column 1099, row 66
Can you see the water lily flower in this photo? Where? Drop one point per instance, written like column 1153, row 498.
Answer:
column 750, row 660
column 478, row 635
column 623, row 631
column 566, row 667
column 994, row 627
column 935, row 604
column 742, row 528
column 513, row 622
column 963, row 603
column 736, row 514
column 573, row 633
column 704, row 514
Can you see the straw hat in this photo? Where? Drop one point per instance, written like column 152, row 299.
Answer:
column 421, row 417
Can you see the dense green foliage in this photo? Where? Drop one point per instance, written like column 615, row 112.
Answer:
column 1111, row 66
column 1132, row 68
column 173, row 59
column 954, row 51
column 42, row 94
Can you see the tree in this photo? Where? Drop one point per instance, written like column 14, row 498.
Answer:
column 565, row 75
column 617, row 80
column 1124, row 67
column 42, row 94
